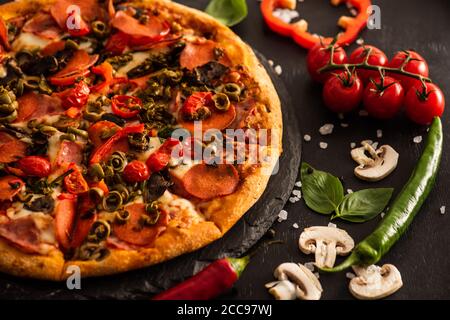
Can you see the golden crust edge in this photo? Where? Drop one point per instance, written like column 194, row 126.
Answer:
column 223, row 212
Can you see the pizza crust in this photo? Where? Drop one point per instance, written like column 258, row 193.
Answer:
column 223, row 212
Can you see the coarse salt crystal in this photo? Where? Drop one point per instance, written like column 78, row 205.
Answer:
column 316, row 274
column 344, row 125
column 350, row 275
column 295, row 225
column 298, row 184
column 349, row 191
column 375, row 145
column 363, row 113
column 382, row 215
column 310, row 266
column 341, row 116
column 286, row 15
column 271, row 63
column 379, row 133
column 278, row 70
column 323, row 145
column 353, row 12
column 282, row 215
column 360, row 41
column 326, row 129
column 352, row 145
column 442, row 209
column 417, row 139
column 297, row 193
column 307, row 137
column 332, row 225
column 293, row 199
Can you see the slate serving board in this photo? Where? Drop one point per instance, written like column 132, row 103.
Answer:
column 141, row 284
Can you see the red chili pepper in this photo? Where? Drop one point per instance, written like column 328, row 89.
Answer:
column 34, row 166
column 107, row 146
column 125, row 106
column 104, row 70
column 83, row 26
column 75, row 97
column 159, row 159
column 209, row 283
column 196, row 106
column 352, row 25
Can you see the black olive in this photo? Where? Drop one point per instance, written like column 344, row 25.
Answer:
column 44, row 204
column 113, row 118
column 155, row 187
column 40, row 65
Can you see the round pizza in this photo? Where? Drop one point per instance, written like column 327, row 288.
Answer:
column 130, row 133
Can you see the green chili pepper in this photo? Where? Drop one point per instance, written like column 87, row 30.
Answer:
column 78, row 132
column 68, row 136
column 404, row 208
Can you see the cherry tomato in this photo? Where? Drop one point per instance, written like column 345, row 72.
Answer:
column 159, row 159
column 376, row 58
column 75, row 182
column 126, row 106
column 75, row 97
column 423, row 103
column 196, row 106
column 343, row 93
column 34, row 166
column 319, row 56
column 136, row 171
column 416, row 65
column 383, row 97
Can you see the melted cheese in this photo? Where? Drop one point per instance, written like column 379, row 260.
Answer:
column 138, row 58
column 180, row 170
column 181, row 210
column 29, row 41
column 53, row 146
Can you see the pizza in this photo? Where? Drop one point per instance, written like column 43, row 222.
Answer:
column 128, row 133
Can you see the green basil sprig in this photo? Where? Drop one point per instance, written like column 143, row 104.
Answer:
column 324, row 194
column 229, row 12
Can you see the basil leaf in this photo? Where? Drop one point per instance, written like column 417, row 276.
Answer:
column 363, row 205
column 229, row 12
column 322, row 191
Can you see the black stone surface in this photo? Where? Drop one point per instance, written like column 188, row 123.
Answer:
column 422, row 255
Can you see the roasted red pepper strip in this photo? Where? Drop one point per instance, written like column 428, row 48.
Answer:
column 104, row 70
column 106, row 147
column 352, row 25
column 209, row 283
column 125, row 106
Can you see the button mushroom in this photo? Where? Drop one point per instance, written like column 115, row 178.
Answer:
column 374, row 165
column 306, row 286
column 325, row 242
column 374, row 282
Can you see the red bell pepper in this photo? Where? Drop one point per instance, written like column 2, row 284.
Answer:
column 209, row 283
column 107, row 146
column 105, row 70
column 352, row 25
column 75, row 97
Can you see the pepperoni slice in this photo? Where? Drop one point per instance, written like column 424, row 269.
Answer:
column 11, row 148
column 196, row 54
column 64, row 219
column 22, row 233
column 9, row 187
column 89, row 10
column 217, row 120
column 43, row 25
column 154, row 30
column 207, row 181
column 69, row 152
column 34, row 105
column 53, row 47
column 79, row 63
column 133, row 232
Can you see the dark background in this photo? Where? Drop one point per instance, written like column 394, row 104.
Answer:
column 423, row 254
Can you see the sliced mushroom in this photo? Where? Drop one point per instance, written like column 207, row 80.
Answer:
column 282, row 290
column 307, row 286
column 325, row 242
column 377, row 165
column 374, row 282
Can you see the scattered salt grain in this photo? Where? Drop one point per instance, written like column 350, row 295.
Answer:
column 316, row 274
column 360, row 41
column 294, row 199
column 323, row 145
column 375, row 145
column 363, row 113
column 307, row 137
column 310, row 266
column 344, row 125
column 282, row 215
column 271, row 63
column 286, row 15
column 278, row 70
column 349, row 191
column 382, row 215
column 350, row 275
column 341, row 116
column 353, row 12
column 327, row 128
column 298, row 184
column 332, row 225
column 417, row 139
column 295, row 225
column 352, row 145
column 297, row 193
column 442, row 209
column 379, row 133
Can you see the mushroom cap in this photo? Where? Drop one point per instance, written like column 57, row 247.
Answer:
column 326, row 243
column 374, row 282
column 308, row 286
column 376, row 169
